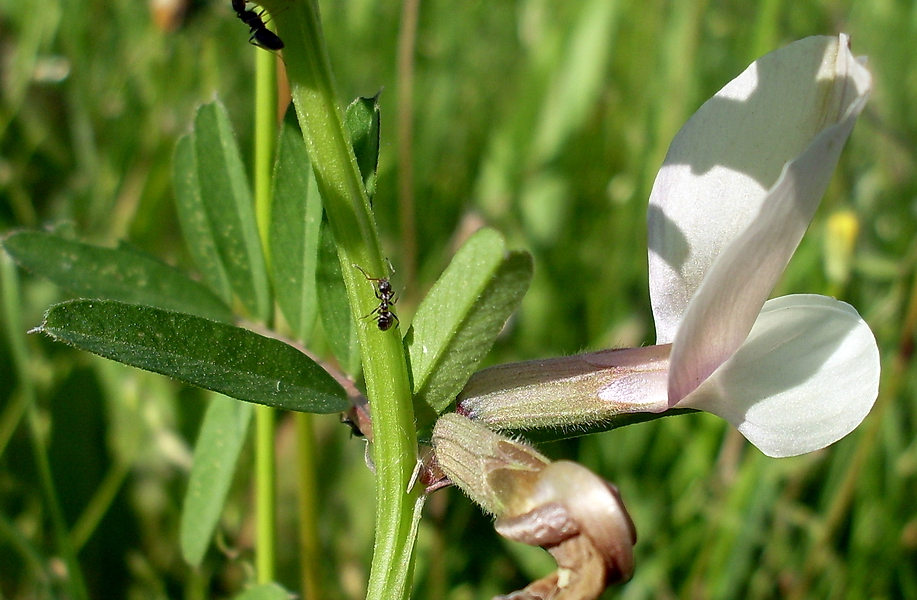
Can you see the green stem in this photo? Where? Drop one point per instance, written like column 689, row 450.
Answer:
column 309, row 559
column 14, row 328
column 35, row 563
column 264, row 478
column 354, row 229
column 265, row 470
column 407, row 39
column 12, row 416
column 265, row 142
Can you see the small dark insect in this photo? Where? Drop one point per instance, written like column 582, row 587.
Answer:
column 355, row 430
column 385, row 318
column 261, row 35
column 358, row 418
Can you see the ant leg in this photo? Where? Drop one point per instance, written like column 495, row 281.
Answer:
column 375, row 311
column 365, row 274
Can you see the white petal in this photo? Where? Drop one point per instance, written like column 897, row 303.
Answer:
column 807, row 375
column 721, row 164
column 725, row 306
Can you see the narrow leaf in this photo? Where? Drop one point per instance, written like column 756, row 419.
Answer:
column 362, row 120
column 219, row 443
column 195, row 225
column 295, row 226
column 337, row 321
column 227, row 200
column 459, row 320
column 265, row 591
column 216, row 356
column 579, row 78
column 123, row 274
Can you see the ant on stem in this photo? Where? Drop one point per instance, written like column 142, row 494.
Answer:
column 261, row 35
column 385, row 318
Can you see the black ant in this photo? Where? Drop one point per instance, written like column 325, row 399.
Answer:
column 385, row 318
column 261, row 35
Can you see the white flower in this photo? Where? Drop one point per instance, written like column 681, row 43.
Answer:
column 735, row 194
column 731, row 202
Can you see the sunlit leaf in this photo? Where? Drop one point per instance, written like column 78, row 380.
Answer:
column 221, row 207
column 460, row 318
column 196, row 227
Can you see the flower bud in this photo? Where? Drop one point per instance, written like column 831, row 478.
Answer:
column 495, row 471
column 561, row 506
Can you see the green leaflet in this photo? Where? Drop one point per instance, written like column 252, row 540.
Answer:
column 362, row 120
column 216, row 452
column 461, row 317
column 123, row 274
column 338, row 323
column 217, row 213
column 265, row 591
column 212, row 355
column 295, row 226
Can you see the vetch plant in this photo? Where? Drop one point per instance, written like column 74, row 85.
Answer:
column 734, row 197
column 730, row 204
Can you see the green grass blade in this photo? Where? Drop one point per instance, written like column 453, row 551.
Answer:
column 212, row 355
column 578, row 82
column 219, row 443
column 123, row 274
column 459, row 320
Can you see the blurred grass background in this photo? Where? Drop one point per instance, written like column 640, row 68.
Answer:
column 543, row 118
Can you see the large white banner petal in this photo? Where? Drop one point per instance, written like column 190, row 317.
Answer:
column 722, row 163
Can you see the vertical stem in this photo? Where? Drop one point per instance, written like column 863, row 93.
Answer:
column 98, row 506
column 407, row 39
column 309, row 560
column 384, row 365
column 265, row 141
column 264, row 495
column 265, row 137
